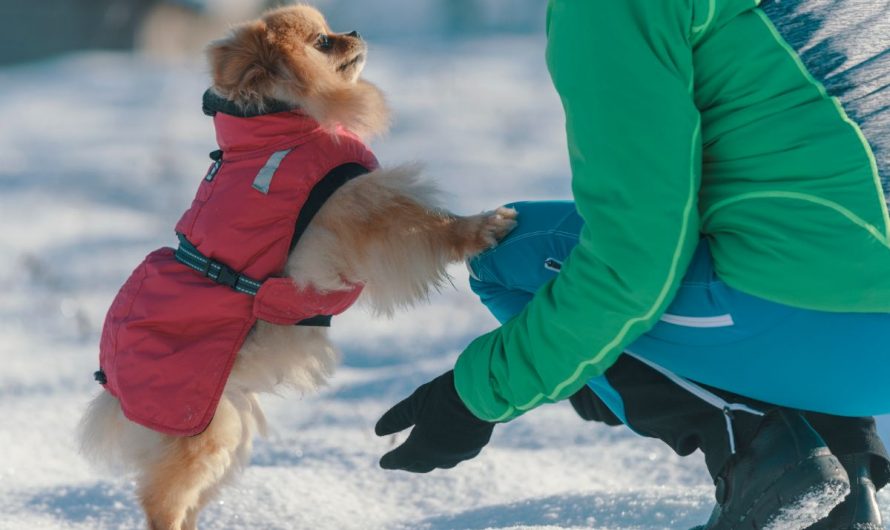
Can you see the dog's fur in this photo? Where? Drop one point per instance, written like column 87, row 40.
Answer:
column 383, row 229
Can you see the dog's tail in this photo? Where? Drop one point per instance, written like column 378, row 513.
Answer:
column 108, row 440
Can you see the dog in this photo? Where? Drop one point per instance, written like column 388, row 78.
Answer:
column 382, row 234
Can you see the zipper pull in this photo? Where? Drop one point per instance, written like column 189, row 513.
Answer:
column 552, row 265
column 216, row 156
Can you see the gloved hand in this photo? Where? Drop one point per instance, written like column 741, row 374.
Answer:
column 445, row 432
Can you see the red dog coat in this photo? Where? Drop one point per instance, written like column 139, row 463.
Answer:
column 172, row 333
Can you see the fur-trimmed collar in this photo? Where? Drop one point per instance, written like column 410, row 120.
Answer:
column 213, row 103
column 360, row 108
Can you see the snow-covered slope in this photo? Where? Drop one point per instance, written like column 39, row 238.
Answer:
column 100, row 153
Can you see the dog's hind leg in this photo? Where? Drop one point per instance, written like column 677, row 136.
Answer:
column 191, row 518
column 178, row 484
column 251, row 421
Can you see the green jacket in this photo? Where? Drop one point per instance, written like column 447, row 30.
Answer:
column 685, row 118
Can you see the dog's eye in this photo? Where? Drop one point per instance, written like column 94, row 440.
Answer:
column 323, row 42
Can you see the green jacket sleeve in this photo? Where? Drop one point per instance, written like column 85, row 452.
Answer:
column 624, row 72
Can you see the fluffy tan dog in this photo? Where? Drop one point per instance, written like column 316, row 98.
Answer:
column 382, row 229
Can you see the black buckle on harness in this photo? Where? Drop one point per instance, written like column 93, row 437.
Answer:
column 223, row 274
column 216, row 271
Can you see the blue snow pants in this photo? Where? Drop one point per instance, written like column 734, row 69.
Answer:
column 712, row 334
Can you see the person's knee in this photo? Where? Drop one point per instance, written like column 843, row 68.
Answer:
column 546, row 230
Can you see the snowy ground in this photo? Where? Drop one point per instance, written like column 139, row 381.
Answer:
column 100, row 153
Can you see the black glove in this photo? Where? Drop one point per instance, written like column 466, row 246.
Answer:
column 591, row 408
column 445, row 432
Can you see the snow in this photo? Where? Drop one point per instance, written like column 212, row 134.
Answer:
column 807, row 510
column 100, row 153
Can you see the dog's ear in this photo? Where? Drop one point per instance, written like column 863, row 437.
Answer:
column 359, row 107
column 244, row 65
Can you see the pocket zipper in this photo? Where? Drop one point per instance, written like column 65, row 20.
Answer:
column 552, row 265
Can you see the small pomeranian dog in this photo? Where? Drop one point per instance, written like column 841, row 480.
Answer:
column 291, row 224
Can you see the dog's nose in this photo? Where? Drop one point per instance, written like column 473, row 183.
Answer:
column 354, row 34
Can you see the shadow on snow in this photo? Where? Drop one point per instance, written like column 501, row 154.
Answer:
column 637, row 510
column 103, row 504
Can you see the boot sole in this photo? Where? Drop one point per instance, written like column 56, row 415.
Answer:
column 810, row 508
column 801, row 497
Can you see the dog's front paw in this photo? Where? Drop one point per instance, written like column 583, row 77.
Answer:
column 491, row 227
column 500, row 223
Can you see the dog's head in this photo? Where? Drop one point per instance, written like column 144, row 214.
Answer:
column 291, row 55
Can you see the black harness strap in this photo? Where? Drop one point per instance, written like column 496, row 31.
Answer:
column 190, row 256
column 322, row 191
column 219, row 272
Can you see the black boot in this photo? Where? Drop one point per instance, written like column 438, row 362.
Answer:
column 785, row 479
column 859, row 511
